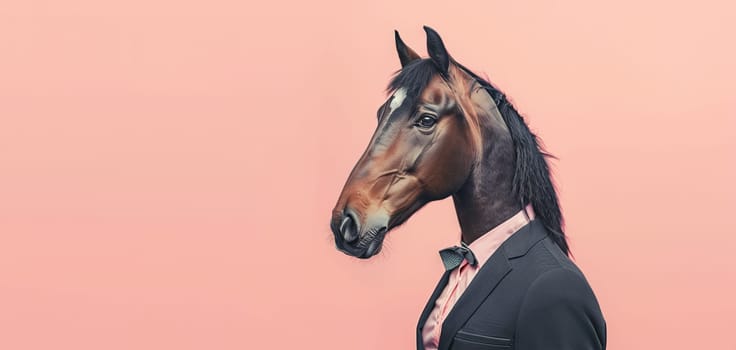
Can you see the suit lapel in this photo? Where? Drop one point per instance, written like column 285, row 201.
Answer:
column 429, row 306
column 489, row 275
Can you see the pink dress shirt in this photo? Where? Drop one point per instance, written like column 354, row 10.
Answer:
column 461, row 277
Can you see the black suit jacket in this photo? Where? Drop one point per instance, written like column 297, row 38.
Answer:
column 528, row 295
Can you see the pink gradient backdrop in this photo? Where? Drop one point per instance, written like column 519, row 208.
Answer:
column 167, row 168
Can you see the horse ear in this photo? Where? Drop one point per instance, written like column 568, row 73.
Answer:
column 406, row 54
column 437, row 50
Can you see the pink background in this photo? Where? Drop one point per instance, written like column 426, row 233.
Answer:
column 167, row 168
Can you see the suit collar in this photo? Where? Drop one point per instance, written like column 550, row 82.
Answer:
column 484, row 246
column 519, row 243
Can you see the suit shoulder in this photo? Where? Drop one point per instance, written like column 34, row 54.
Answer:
column 556, row 272
column 562, row 283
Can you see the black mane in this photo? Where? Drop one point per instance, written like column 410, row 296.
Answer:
column 532, row 182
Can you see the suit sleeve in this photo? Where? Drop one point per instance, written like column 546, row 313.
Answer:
column 560, row 311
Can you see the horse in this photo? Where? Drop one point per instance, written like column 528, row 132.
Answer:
column 444, row 131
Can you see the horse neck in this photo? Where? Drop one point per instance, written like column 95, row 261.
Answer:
column 485, row 200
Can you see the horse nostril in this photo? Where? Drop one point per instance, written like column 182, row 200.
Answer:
column 349, row 228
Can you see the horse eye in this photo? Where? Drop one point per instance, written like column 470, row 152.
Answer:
column 426, row 121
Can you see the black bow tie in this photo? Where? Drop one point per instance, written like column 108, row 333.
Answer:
column 452, row 257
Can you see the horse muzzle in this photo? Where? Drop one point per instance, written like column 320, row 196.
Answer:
column 359, row 239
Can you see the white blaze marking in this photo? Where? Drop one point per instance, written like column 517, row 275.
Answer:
column 399, row 97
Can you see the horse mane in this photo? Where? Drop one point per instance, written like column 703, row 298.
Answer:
column 414, row 77
column 532, row 182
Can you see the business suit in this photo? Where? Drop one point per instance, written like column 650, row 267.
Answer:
column 528, row 295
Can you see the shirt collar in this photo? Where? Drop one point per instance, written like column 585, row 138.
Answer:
column 488, row 243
